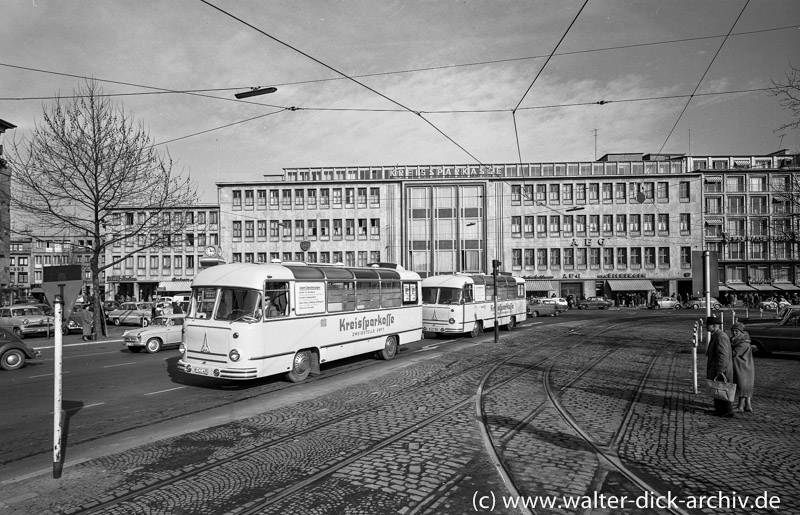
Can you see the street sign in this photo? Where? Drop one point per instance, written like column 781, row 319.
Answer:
column 62, row 280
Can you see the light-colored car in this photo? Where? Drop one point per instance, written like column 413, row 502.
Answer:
column 25, row 319
column 166, row 330
column 667, row 303
column 595, row 302
column 773, row 304
column 700, row 303
column 777, row 336
column 561, row 303
column 138, row 313
column 539, row 308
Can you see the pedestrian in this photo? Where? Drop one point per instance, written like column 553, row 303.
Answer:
column 87, row 319
column 719, row 362
column 744, row 371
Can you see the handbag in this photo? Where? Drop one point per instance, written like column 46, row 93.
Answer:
column 722, row 390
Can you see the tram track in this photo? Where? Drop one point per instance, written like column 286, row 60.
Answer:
column 606, row 450
column 135, row 495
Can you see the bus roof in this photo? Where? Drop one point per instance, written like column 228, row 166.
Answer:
column 459, row 280
column 249, row 275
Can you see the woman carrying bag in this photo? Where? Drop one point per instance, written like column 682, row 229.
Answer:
column 743, row 367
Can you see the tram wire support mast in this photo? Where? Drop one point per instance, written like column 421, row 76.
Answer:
column 495, row 266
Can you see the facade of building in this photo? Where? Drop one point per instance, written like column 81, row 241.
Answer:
column 6, row 288
column 191, row 235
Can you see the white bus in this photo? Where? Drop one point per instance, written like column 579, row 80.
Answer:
column 250, row 320
column 464, row 303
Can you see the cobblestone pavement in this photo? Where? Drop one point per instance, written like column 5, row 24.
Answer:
column 585, row 411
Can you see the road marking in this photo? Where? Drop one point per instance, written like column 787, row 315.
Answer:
column 83, row 407
column 78, row 344
column 163, row 391
column 429, row 347
column 121, row 364
column 47, row 375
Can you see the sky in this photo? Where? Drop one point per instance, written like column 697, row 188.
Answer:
column 372, row 82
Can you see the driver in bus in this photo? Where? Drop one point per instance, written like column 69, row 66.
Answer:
column 272, row 311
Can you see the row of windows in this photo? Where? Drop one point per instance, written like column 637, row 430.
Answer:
column 725, row 164
column 740, row 205
column 348, row 258
column 740, row 273
column 753, row 227
column 740, row 250
column 593, row 225
column 177, row 262
column 179, row 218
column 299, row 198
column 749, row 183
column 594, row 192
column 325, row 228
column 171, row 240
column 593, row 257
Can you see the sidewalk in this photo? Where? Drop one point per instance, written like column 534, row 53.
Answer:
column 405, row 439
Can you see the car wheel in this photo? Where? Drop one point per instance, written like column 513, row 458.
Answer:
column 556, row 313
column 301, row 367
column 695, row 306
column 477, row 330
column 153, row 345
column 134, row 349
column 117, row 321
column 657, row 306
column 12, row 359
column 389, row 348
column 534, row 314
column 760, row 350
column 717, row 306
column 676, row 306
column 18, row 333
column 512, row 323
column 64, row 329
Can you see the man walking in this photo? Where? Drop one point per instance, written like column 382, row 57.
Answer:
column 719, row 362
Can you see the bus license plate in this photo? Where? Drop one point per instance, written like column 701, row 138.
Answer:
column 200, row 371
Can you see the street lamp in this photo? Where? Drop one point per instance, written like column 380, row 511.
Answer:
column 255, row 92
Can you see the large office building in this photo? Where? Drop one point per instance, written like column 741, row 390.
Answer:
column 627, row 223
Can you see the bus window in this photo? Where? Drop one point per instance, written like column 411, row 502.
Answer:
column 449, row 295
column 367, row 294
column 467, row 294
column 429, row 295
column 341, row 296
column 238, row 304
column 276, row 299
column 203, row 302
column 410, row 293
column 391, row 294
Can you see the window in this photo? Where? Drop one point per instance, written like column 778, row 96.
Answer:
column 555, row 258
column 237, row 230
column 362, row 227
column 248, row 198
column 287, row 231
column 262, row 198
column 713, row 206
column 663, row 257
column 516, row 226
column 594, row 225
column 686, row 257
column 516, row 259
column 299, row 197
column 649, row 224
column 249, row 229
column 758, row 183
column 312, row 229
column 375, row 229
column 166, row 262
column 648, row 188
column 528, row 227
column 594, row 192
column 529, row 259
column 349, row 197
column 337, row 229
column 555, row 225
column 662, row 192
column 622, row 257
column 683, row 191
column 237, row 198
column 274, row 229
column 580, row 258
column 350, row 228
column 569, row 259
column 286, row 200
column 758, row 205
column 736, row 205
column 554, row 193
column 312, row 197
column 337, row 197
column 594, row 257
column 262, row 229
column 541, row 192
column 608, row 258
column 663, row 223
column 324, row 197
column 580, row 225
column 299, row 228
column 636, row 257
column 541, row 226
column 580, row 193
column 213, row 217
column 608, row 224
column 541, row 259
column 686, row 224
column 516, row 195
column 622, row 224
column 634, row 224
column 325, row 228
column 375, row 197
column 568, row 224
column 566, row 193
column 621, row 192
column 734, row 184
column 607, row 192
column 649, row 257
column 274, row 198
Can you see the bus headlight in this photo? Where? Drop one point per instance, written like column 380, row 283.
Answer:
column 452, row 321
column 234, row 355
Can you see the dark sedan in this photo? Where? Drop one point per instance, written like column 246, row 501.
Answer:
column 778, row 336
column 13, row 351
column 595, row 302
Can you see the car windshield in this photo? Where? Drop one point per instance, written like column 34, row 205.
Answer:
column 164, row 321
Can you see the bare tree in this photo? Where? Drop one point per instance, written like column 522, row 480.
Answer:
column 84, row 168
column 789, row 94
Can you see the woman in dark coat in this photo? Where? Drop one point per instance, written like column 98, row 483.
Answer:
column 719, row 362
column 743, row 368
column 87, row 319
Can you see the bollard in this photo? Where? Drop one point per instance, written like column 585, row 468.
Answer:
column 694, row 360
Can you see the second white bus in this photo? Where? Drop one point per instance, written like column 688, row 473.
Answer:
column 254, row 320
column 464, row 303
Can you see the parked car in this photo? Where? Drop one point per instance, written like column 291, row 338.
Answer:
column 773, row 303
column 667, row 303
column 700, row 303
column 540, row 308
column 13, row 351
column 45, row 308
column 777, row 336
column 25, row 319
column 560, row 302
column 595, row 302
column 166, row 330
column 138, row 313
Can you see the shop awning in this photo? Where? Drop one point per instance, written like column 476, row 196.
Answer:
column 630, row 284
column 722, row 287
column 714, row 221
column 539, row 285
column 787, row 287
column 175, row 286
column 712, row 178
column 740, row 287
column 763, row 287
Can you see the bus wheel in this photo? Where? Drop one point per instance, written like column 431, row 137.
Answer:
column 389, row 349
column 301, row 367
column 512, row 323
column 477, row 330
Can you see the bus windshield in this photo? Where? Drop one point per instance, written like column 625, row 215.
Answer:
column 445, row 295
column 234, row 304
